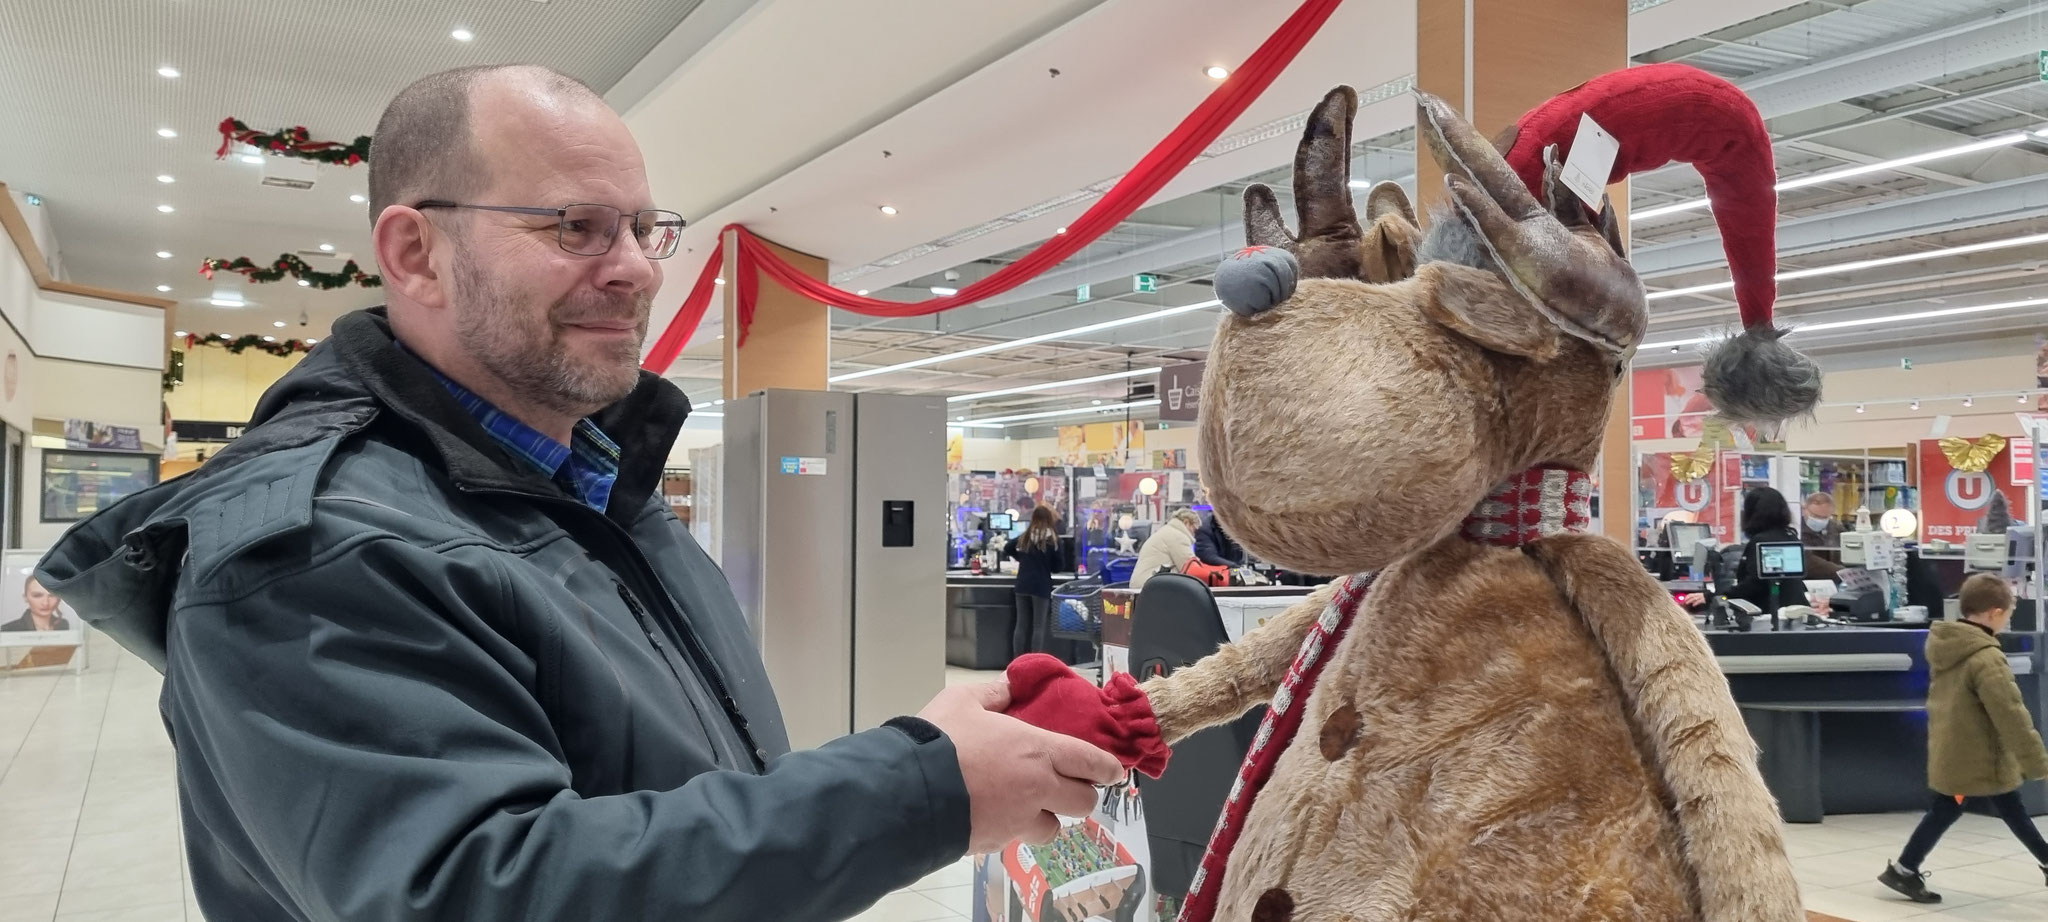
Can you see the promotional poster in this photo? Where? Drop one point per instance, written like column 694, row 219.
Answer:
column 1952, row 498
column 1713, row 497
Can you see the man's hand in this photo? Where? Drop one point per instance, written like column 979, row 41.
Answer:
column 1018, row 776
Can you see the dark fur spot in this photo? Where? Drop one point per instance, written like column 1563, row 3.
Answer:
column 1274, row 905
column 1340, row 732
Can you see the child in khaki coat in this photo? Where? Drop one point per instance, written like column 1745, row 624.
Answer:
column 1980, row 740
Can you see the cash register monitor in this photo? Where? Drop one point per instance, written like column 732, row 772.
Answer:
column 1780, row 560
column 1001, row 521
column 1684, row 538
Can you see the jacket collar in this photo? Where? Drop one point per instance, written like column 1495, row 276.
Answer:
column 644, row 423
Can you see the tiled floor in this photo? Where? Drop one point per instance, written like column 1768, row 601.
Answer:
column 89, row 824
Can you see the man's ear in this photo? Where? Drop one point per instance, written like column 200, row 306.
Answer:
column 1479, row 306
column 404, row 241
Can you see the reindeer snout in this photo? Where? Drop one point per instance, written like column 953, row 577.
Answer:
column 1256, row 279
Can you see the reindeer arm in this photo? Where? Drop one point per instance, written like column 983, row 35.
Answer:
column 1238, row 676
column 1680, row 706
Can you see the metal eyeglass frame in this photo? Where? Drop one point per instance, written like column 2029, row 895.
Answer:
column 560, row 214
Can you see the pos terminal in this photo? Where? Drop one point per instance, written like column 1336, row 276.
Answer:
column 1777, row 562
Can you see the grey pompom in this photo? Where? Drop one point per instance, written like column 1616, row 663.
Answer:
column 1451, row 240
column 1256, row 279
column 1756, row 377
column 1997, row 518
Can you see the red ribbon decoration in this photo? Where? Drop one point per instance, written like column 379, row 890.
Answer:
column 1165, row 161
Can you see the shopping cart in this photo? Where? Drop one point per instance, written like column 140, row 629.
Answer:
column 1077, row 616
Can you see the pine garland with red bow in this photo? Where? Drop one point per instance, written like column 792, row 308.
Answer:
column 290, row 264
column 293, row 142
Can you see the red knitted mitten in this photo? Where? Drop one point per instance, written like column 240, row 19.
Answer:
column 1116, row 718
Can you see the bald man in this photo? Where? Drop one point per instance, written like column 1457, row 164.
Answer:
column 435, row 648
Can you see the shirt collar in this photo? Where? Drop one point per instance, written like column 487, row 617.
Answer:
column 587, row 467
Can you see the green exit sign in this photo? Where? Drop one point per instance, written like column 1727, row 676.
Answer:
column 1144, row 284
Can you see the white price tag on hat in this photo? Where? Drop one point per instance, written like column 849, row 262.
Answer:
column 1591, row 161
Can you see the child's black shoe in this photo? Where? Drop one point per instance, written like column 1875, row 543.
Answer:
column 1910, row 884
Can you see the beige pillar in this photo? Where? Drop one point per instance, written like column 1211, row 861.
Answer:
column 790, row 343
column 1496, row 59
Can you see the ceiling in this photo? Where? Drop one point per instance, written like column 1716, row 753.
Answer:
column 959, row 122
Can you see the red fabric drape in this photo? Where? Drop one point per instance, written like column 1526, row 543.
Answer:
column 1165, row 161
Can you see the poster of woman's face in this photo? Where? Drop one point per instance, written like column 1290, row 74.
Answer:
column 41, row 618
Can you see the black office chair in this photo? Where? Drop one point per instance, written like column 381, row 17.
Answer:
column 1174, row 623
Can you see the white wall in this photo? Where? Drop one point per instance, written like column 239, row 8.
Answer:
column 76, row 358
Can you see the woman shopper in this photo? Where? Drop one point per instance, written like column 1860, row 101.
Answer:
column 1037, row 553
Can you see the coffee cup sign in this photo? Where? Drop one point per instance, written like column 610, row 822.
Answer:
column 1180, row 392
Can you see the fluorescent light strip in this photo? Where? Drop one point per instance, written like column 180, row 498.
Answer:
column 1800, row 182
column 1862, row 264
column 707, row 414
column 1872, row 321
column 1026, row 341
column 1030, row 388
column 999, row 421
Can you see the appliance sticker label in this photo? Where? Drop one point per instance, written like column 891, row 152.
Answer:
column 806, row 467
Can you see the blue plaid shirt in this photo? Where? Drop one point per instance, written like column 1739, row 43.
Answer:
column 586, row 467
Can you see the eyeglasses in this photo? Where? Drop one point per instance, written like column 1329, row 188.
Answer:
column 590, row 230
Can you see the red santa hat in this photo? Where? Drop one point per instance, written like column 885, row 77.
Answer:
column 1664, row 113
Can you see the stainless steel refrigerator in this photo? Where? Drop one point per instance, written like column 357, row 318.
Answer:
column 833, row 537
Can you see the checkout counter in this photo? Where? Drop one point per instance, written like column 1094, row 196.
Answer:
column 1838, row 709
column 981, row 612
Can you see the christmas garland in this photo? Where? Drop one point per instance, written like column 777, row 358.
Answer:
column 236, row 344
column 293, row 142
column 290, row 264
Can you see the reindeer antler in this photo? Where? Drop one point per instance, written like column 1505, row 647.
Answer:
column 1570, row 272
column 1328, row 244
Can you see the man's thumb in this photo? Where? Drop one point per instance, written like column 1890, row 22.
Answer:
column 992, row 696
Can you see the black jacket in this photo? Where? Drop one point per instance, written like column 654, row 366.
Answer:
column 27, row 622
column 408, row 679
column 1215, row 547
column 1755, row 590
column 1034, row 567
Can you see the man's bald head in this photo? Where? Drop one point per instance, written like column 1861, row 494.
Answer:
column 425, row 146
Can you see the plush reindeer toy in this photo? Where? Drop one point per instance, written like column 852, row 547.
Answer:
column 1501, row 717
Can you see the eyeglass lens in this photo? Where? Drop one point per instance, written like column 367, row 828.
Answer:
column 588, row 230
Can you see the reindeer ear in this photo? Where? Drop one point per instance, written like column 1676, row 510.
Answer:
column 1480, row 306
column 1388, row 199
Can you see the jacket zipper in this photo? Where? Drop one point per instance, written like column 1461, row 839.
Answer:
column 692, row 647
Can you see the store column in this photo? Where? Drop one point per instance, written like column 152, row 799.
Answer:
column 790, row 341
column 1496, row 59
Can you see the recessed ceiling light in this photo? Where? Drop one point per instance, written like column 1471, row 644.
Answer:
column 166, row 288
column 270, row 339
column 1097, row 403
column 862, row 293
column 1968, row 402
column 311, row 341
column 167, row 71
column 166, row 209
column 277, row 323
column 252, row 158
column 462, row 35
column 304, row 284
column 944, row 292
column 166, row 178
column 163, row 254
column 888, row 209
column 181, row 334
column 166, row 133
column 1217, row 71
column 1859, row 408
column 1914, row 405
column 717, row 281
column 2022, row 398
column 226, row 336
column 327, row 248
column 1060, row 231
column 358, row 198
column 226, row 302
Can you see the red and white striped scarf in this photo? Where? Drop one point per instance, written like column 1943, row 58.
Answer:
column 1536, row 503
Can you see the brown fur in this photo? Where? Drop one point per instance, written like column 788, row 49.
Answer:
column 1501, row 735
